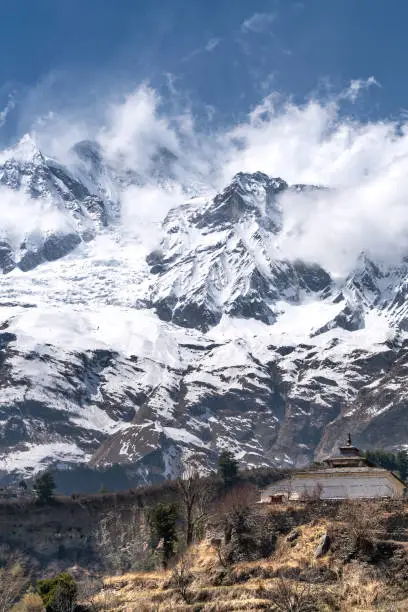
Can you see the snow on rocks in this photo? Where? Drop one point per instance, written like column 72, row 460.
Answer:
column 113, row 353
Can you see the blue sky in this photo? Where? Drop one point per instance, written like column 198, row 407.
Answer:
column 222, row 56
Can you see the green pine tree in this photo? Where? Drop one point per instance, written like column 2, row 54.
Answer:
column 44, row 487
column 228, row 468
column 395, row 462
column 402, row 460
column 59, row 593
column 164, row 527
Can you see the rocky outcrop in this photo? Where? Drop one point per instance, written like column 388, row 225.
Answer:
column 323, row 547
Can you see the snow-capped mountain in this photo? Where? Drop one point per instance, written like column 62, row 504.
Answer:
column 69, row 213
column 219, row 257
column 114, row 352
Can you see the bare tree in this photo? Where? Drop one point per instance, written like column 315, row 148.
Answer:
column 121, row 540
column 182, row 578
column 235, row 508
column 312, row 495
column 194, row 494
column 13, row 581
column 222, row 555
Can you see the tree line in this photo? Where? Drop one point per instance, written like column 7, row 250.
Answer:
column 394, row 462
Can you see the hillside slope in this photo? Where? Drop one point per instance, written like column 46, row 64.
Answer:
column 354, row 577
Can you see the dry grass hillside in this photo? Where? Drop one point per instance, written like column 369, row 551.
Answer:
column 348, row 557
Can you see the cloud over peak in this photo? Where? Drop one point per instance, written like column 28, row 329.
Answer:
column 365, row 164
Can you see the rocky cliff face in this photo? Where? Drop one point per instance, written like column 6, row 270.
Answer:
column 111, row 352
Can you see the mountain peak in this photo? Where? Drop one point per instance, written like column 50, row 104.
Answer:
column 25, row 151
column 247, row 181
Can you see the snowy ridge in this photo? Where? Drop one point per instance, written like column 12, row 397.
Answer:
column 220, row 256
column 115, row 353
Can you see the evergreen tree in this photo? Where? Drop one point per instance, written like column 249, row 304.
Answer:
column 395, row 462
column 164, row 522
column 59, row 593
column 402, row 460
column 382, row 459
column 44, row 487
column 228, row 468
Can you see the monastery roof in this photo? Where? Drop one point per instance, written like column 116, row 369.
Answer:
column 348, row 462
column 340, row 471
column 343, row 470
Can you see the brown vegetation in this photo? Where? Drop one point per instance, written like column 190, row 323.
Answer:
column 365, row 567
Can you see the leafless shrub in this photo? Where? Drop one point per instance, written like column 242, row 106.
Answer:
column 362, row 523
column 87, row 589
column 182, row 578
column 234, row 510
column 222, row 552
column 13, row 581
column 236, row 515
column 312, row 495
column 365, row 587
column 287, row 597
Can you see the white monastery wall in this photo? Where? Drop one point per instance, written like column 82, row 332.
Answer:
column 336, row 487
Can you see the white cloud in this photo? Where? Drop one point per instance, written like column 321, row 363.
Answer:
column 143, row 209
column 133, row 129
column 258, row 22
column 365, row 164
column 20, row 217
column 155, row 154
column 212, row 44
column 7, row 109
column 357, row 86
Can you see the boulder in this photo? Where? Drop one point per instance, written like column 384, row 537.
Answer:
column 323, row 547
column 293, row 535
